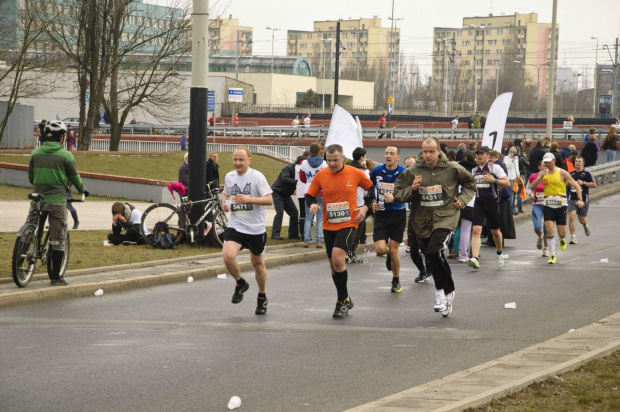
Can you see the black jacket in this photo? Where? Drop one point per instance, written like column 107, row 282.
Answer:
column 285, row 184
column 213, row 173
column 589, row 154
column 536, row 155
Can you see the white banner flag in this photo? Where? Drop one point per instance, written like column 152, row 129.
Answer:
column 345, row 131
column 493, row 135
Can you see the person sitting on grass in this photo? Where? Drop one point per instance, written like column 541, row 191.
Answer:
column 125, row 218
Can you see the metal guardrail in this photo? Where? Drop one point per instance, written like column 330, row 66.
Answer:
column 605, row 173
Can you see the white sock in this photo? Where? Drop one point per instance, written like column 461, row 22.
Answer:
column 551, row 245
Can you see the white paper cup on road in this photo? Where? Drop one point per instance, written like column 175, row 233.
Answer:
column 571, row 330
column 99, row 292
column 222, row 276
column 190, row 279
column 605, row 260
column 106, row 243
column 234, row 402
column 511, row 305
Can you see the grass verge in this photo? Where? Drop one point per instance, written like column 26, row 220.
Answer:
column 593, row 387
column 163, row 166
column 87, row 251
column 8, row 192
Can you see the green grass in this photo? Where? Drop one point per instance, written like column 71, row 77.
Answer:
column 87, row 251
column 8, row 192
column 593, row 387
column 158, row 166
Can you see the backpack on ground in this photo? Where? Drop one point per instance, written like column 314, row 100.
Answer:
column 162, row 236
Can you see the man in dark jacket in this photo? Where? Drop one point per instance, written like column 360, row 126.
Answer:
column 283, row 188
column 42, row 132
column 213, row 171
column 536, row 155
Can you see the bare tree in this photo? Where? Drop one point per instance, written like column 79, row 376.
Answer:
column 143, row 65
column 17, row 39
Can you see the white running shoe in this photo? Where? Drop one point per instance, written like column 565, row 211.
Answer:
column 473, row 263
column 448, row 302
column 440, row 302
column 500, row 261
column 573, row 240
column 463, row 260
column 546, row 252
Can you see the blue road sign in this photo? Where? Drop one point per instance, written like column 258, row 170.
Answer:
column 211, row 101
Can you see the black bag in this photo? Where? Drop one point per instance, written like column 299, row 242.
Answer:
column 162, row 236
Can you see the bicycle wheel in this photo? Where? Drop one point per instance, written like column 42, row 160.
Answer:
column 65, row 258
column 166, row 213
column 220, row 224
column 24, row 261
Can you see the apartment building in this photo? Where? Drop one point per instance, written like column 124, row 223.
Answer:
column 363, row 44
column 225, row 34
column 484, row 46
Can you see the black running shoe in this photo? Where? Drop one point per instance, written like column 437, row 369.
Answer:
column 342, row 309
column 261, row 306
column 239, row 291
column 349, row 303
column 396, row 287
column 422, row 277
column 388, row 263
column 58, row 282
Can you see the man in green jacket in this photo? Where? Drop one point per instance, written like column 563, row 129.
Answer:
column 49, row 170
column 432, row 187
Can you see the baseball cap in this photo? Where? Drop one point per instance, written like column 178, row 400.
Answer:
column 548, row 157
column 482, row 149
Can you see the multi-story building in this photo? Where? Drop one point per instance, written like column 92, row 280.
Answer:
column 484, row 46
column 226, row 37
column 363, row 44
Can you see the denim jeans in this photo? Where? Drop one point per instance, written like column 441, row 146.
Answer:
column 611, row 155
column 537, row 218
column 319, row 222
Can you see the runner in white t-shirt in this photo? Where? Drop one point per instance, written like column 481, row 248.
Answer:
column 246, row 193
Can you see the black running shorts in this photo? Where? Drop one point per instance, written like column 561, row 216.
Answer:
column 557, row 215
column 486, row 209
column 341, row 239
column 390, row 224
column 256, row 244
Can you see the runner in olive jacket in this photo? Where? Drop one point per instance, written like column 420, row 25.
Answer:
column 431, row 185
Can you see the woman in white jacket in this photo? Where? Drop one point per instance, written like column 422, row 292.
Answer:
column 512, row 164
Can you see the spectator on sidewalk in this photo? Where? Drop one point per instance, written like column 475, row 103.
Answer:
column 183, row 142
column 184, row 172
column 42, row 132
column 125, row 225
column 282, row 189
column 213, row 172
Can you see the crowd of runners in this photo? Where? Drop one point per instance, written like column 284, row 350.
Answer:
column 446, row 207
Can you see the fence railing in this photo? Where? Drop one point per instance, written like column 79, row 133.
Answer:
column 605, row 173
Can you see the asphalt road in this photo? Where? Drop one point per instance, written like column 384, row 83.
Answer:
column 186, row 347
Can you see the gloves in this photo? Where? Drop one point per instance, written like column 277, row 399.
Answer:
column 86, row 192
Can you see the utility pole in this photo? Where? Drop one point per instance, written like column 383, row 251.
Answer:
column 452, row 62
column 198, row 110
column 595, row 94
column 552, row 66
column 337, row 63
column 390, row 61
column 614, row 101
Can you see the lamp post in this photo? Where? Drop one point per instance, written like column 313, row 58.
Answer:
column 324, row 39
column 476, row 63
column 273, row 33
column 594, row 94
column 395, row 22
column 538, row 66
column 576, row 90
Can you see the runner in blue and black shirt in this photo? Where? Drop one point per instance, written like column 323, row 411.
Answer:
column 390, row 216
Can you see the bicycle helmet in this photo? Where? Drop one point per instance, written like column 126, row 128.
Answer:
column 56, row 128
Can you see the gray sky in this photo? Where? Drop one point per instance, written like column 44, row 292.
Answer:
column 579, row 21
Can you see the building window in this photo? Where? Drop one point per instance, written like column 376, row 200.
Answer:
column 500, row 31
column 469, row 52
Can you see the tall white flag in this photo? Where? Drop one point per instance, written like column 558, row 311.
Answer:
column 345, row 131
column 493, row 134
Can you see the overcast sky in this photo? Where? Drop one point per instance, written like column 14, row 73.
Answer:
column 578, row 20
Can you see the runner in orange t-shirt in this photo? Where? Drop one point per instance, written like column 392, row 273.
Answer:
column 341, row 216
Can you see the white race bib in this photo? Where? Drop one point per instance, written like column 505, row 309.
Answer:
column 338, row 212
column 480, row 183
column 540, row 198
column 431, row 196
column 241, row 208
column 555, row 202
column 383, row 188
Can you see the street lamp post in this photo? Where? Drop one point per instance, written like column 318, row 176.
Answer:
column 538, row 66
column 476, row 63
column 594, row 94
column 323, row 39
column 576, row 90
column 273, row 33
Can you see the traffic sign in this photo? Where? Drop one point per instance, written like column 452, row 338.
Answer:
column 390, row 100
column 390, row 108
column 235, row 95
column 211, row 101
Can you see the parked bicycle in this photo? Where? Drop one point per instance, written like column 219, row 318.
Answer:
column 32, row 245
column 178, row 220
